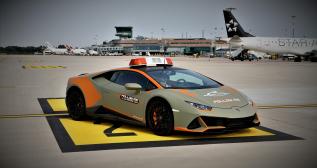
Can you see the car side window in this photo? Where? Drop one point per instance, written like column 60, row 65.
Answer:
column 108, row 75
column 123, row 77
column 114, row 76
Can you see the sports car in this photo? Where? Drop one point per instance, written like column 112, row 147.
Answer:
column 162, row 97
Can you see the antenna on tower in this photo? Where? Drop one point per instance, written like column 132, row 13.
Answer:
column 230, row 9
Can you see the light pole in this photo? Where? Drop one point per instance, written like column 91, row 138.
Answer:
column 163, row 31
column 293, row 24
column 96, row 38
column 163, row 42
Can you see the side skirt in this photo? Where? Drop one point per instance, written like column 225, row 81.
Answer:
column 101, row 112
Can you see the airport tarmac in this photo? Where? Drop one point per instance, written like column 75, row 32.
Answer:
column 27, row 141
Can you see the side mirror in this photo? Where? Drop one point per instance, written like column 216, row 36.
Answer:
column 133, row 86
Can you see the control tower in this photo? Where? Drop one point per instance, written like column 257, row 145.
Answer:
column 124, row 32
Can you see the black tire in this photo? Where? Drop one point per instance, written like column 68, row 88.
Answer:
column 76, row 105
column 160, row 117
column 298, row 59
column 313, row 59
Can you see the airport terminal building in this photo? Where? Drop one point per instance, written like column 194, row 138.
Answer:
column 171, row 46
column 168, row 45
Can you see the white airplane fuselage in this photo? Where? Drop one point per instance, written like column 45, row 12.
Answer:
column 58, row 51
column 53, row 50
column 297, row 46
column 79, row 51
column 92, row 52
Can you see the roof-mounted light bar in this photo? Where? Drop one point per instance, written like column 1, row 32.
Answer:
column 151, row 61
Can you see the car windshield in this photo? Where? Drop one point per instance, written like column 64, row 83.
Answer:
column 176, row 78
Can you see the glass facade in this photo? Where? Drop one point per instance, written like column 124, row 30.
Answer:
column 153, row 48
column 124, row 32
column 194, row 50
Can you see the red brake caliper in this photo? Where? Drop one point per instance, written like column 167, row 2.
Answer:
column 154, row 118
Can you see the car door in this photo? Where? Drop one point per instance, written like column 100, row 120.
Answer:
column 128, row 102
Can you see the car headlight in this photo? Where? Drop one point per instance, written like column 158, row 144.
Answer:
column 200, row 106
column 250, row 102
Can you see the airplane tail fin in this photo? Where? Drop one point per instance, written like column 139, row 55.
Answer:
column 232, row 25
column 49, row 45
column 68, row 47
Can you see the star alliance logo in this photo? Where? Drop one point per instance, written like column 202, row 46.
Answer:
column 232, row 26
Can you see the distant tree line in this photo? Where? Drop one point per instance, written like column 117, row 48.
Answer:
column 21, row 50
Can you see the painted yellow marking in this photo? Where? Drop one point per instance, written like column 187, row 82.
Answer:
column 286, row 106
column 42, row 67
column 57, row 104
column 87, row 133
column 7, row 86
column 30, row 115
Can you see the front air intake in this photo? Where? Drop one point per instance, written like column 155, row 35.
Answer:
column 229, row 122
column 194, row 124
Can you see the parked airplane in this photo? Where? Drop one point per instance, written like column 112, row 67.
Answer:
column 92, row 52
column 52, row 50
column 306, row 47
column 78, row 51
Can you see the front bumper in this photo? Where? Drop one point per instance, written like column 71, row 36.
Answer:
column 208, row 124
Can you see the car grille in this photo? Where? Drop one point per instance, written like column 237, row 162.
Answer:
column 228, row 122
